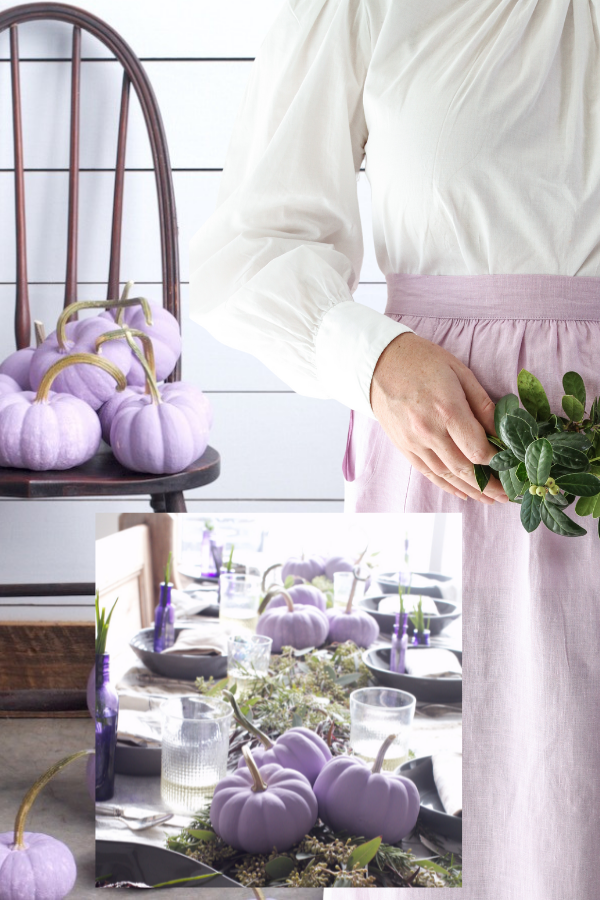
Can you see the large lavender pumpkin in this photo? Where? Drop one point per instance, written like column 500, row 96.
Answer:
column 293, row 626
column 302, row 569
column 94, row 386
column 256, row 810
column 367, row 802
column 17, row 365
column 305, row 594
column 51, row 431
column 356, row 626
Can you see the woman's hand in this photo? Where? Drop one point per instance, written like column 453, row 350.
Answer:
column 437, row 414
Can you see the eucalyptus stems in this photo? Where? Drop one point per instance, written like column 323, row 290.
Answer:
column 546, row 461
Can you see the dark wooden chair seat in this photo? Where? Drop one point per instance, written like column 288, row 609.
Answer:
column 103, row 475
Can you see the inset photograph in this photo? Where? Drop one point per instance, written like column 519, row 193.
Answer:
column 281, row 700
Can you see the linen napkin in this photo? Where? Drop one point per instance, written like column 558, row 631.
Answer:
column 447, row 774
column 432, row 663
column 391, row 604
column 204, row 641
column 192, row 601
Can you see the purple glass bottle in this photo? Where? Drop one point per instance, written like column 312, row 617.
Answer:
column 106, row 716
column 164, row 620
column 207, row 564
column 422, row 638
column 399, row 645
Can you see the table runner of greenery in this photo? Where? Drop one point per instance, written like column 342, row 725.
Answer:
column 311, row 688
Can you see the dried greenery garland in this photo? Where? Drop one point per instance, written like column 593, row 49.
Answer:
column 311, row 688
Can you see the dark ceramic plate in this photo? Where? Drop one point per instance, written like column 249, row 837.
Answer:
column 176, row 665
column 429, row 690
column 432, row 814
column 147, row 863
column 137, row 760
column 425, row 583
column 448, row 612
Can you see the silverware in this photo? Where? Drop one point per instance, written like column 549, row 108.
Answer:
column 134, row 823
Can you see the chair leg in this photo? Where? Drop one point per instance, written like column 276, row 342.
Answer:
column 157, row 502
column 175, row 502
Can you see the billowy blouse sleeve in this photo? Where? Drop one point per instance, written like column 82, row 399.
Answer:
column 273, row 270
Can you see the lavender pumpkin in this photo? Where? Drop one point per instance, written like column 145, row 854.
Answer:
column 8, row 385
column 299, row 749
column 293, row 626
column 162, row 329
column 47, row 430
column 338, row 564
column 17, row 365
column 302, row 569
column 256, row 810
column 352, row 625
column 36, row 866
column 305, row 594
column 367, row 802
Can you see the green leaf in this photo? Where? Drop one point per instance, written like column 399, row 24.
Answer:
column 289, row 582
column 429, row 864
column 573, row 408
column 538, row 461
column 527, row 417
column 482, row 476
column 533, row 396
column 348, row 678
column 362, row 855
column 570, row 458
column 503, row 461
column 573, row 384
column 573, row 439
column 517, row 434
column 582, row 484
column 521, row 473
column 511, row 483
column 560, row 500
column 552, row 426
column 585, row 505
column 297, row 721
column 202, row 835
column 280, row 867
column 530, row 511
column 495, row 441
column 556, row 520
column 504, row 406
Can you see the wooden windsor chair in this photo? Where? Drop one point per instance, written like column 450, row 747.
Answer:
column 103, row 475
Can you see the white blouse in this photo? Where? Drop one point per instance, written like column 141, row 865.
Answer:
column 479, row 124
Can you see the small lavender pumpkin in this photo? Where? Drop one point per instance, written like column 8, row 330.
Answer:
column 257, row 810
column 302, row 569
column 338, row 564
column 298, row 748
column 48, row 430
column 36, row 866
column 293, row 626
column 305, row 594
column 352, row 624
column 17, row 365
column 164, row 332
column 367, row 802
column 8, row 385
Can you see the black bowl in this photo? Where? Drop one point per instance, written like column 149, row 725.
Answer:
column 176, row 665
column 425, row 583
column 147, row 863
column 431, row 813
column 143, row 761
column 428, row 690
column 448, row 612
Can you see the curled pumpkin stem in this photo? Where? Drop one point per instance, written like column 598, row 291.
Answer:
column 270, row 569
column 151, row 384
column 245, row 723
column 259, row 785
column 274, row 591
column 119, row 304
column 28, row 799
column 121, row 334
column 72, row 360
column 381, row 753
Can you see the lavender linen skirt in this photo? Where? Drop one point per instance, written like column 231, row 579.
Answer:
column 531, row 620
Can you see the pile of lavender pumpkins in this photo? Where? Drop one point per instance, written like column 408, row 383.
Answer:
column 103, row 377
column 297, row 616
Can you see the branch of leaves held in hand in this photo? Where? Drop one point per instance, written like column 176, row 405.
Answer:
column 547, row 461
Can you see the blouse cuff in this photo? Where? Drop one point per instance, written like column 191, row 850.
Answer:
column 350, row 340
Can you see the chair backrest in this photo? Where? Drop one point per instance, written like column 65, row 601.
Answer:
column 133, row 74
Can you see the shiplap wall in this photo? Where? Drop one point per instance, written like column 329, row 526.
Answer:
column 198, row 56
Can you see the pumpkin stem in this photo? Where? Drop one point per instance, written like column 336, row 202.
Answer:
column 151, row 385
column 355, row 581
column 245, row 723
column 121, row 333
column 73, row 308
column 34, row 790
column 40, row 332
column 381, row 754
column 260, row 895
column 360, row 558
column 274, row 591
column 72, row 360
column 259, row 785
column 270, row 569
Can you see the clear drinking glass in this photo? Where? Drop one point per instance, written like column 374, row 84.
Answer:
column 195, row 744
column 376, row 713
column 239, row 599
column 342, row 585
column 247, row 657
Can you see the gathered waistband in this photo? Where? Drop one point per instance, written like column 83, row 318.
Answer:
column 562, row 297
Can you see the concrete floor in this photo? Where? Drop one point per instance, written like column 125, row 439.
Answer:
column 64, row 809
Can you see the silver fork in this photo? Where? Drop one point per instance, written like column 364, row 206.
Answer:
column 147, row 822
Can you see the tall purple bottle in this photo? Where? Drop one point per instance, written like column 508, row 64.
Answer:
column 164, row 620
column 106, row 716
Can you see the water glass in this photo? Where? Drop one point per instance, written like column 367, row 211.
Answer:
column 239, row 597
column 342, row 585
column 247, row 657
column 195, row 744
column 376, row 713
